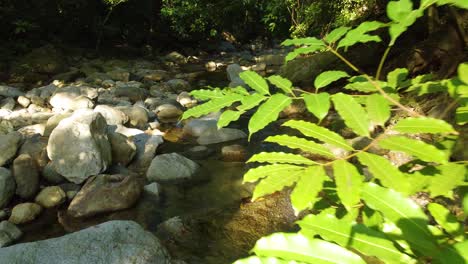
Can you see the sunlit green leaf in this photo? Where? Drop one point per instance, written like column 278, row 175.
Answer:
column 318, row 132
column 255, row 81
column 415, row 125
column 318, row 104
column 463, row 72
column 310, row 41
column 461, row 115
column 352, row 113
column 327, row 77
column 445, row 178
column 361, row 84
column 227, row 117
column 396, row 77
column 266, row 260
column 309, row 184
column 414, row 147
column 378, row 109
column 359, row 34
column 403, row 16
column 299, row 247
column 260, row 172
column 445, row 219
column 251, row 101
column 357, row 236
column 212, row 106
column 303, row 50
column 348, row 183
column 336, row 34
column 268, row 112
column 204, row 94
column 300, row 143
column 402, row 211
column 383, row 170
column 280, row 157
column 457, row 253
column 275, row 183
column 282, row 83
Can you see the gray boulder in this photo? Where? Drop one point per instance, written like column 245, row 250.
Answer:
column 116, row 242
column 7, row 187
column 8, row 91
column 8, row 233
column 112, row 115
column 171, row 167
column 214, row 136
column 123, row 149
column 26, row 176
column 63, row 98
column 146, row 149
column 9, row 144
column 78, row 147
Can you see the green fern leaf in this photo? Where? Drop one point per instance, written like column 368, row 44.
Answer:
column 445, row 178
column 463, row 72
column 327, row 77
column 282, row 83
column 255, row 81
column 227, row 117
column 414, row 147
column 212, row 106
column 402, row 14
column 383, row 170
column 445, row 219
column 336, row 34
column 403, row 212
column 300, row 248
column 461, row 115
column 260, row 172
column 308, row 186
column 416, row 125
column 280, row 157
column 268, row 112
column 348, row 183
column 300, row 143
column 303, row 50
column 359, row 34
column 266, row 260
column 378, row 109
column 361, row 84
column 275, row 183
column 318, row 104
column 204, row 94
column 310, row 41
column 251, row 101
column 397, row 77
column 352, row 113
column 357, row 236
column 320, row 133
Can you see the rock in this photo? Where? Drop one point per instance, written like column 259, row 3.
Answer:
column 70, row 189
column 146, row 149
column 9, row 233
column 25, row 212
column 176, row 57
column 210, row 66
column 152, row 75
column 7, row 187
column 198, row 127
column 186, row 100
column 137, row 115
column 53, row 122
column 81, row 102
column 131, row 92
column 9, row 144
column 236, row 153
column 8, row 91
column 123, row 149
column 6, row 126
column 119, row 75
column 78, row 147
column 26, row 176
column 63, row 97
column 50, row 175
column 213, row 136
column 116, row 242
column 128, row 132
column 271, row 59
column 198, row 152
column 233, row 71
column 3, row 214
column 178, row 85
column 259, row 67
column 112, row 115
column 153, row 190
column 105, row 193
column 168, row 113
column 36, row 147
column 37, row 129
column 51, row 196
column 171, row 167
column 23, row 101
column 7, row 104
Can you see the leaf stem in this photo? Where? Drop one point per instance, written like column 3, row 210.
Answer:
column 382, row 61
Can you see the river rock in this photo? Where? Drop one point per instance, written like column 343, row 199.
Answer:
column 112, row 115
column 23, row 101
column 9, row 144
column 9, row 233
column 7, row 187
column 178, row 85
column 78, row 147
column 233, row 71
column 63, row 97
column 116, row 242
column 23, row 213
column 167, row 113
column 51, row 196
column 234, row 153
column 123, row 149
column 81, row 102
column 36, row 147
column 171, row 167
column 53, row 122
column 26, row 176
column 137, row 115
column 105, row 193
column 8, row 104
column 50, row 175
column 152, row 75
column 153, row 190
column 213, row 136
column 146, row 149
column 8, row 91
column 131, row 92
column 128, row 132
column 197, row 127
column 271, row 59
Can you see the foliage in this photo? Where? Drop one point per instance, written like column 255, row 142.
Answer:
column 370, row 210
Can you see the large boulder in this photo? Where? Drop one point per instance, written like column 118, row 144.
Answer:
column 116, row 242
column 105, row 193
column 171, row 167
column 7, row 187
column 9, row 144
column 78, row 147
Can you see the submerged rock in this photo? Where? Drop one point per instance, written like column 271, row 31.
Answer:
column 105, row 193
column 116, row 242
column 213, row 136
column 78, row 147
column 171, row 167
